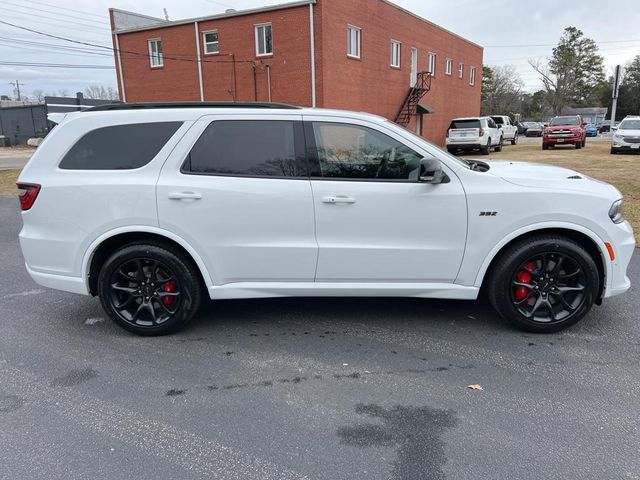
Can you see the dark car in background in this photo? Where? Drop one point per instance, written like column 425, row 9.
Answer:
column 534, row 129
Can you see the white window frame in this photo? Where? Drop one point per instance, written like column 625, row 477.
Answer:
column 352, row 29
column 448, row 69
column 205, row 43
column 264, row 38
column 396, row 52
column 159, row 55
column 431, row 63
column 461, row 70
column 472, row 76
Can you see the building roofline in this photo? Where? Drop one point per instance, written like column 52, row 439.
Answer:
column 415, row 15
column 237, row 13
column 150, row 17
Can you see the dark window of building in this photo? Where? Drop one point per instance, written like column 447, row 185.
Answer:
column 356, row 152
column 121, row 147
column 248, row 148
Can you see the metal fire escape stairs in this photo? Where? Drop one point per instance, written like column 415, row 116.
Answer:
column 419, row 90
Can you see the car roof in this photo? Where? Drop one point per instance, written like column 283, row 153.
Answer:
column 467, row 118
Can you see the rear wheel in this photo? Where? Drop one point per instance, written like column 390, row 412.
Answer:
column 148, row 289
column 544, row 284
column 499, row 146
column 487, row 149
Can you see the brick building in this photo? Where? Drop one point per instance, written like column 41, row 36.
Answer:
column 364, row 55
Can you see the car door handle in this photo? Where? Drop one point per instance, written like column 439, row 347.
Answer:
column 338, row 199
column 184, row 196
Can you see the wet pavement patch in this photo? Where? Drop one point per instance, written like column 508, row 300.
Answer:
column 174, row 392
column 415, row 432
column 74, row 377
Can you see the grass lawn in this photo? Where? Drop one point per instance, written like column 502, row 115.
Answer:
column 623, row 171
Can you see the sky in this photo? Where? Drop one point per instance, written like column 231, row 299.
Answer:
column 510, row 31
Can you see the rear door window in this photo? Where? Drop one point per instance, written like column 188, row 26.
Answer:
column 119, row 147
column 253, row 148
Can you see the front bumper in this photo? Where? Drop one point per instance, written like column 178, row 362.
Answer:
column 562, row 140
column 624, row 246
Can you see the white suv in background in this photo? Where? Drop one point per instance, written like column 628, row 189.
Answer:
column 474, row 133
column 626, row 137
column 151, row 207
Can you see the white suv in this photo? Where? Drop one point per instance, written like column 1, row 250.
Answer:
column 151, row 207
column 474, row 133
column 626, row 137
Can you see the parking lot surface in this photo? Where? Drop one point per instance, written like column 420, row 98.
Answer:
column 312, row 388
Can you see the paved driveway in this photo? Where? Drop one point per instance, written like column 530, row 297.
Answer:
column 12, row 158
column 312, row 388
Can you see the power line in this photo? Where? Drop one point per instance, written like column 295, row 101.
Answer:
column 182, row 58
column 65, row 15
column 82, row 12
column 555, row 44
column 88, row 29
column 56, row 65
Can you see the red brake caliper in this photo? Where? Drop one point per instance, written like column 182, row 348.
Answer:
column 523, row 276
column 169, row 287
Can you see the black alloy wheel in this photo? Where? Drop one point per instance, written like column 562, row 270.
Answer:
column 149, row 289
column 544, row 283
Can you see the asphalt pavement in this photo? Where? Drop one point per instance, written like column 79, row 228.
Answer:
column 14, row 158
column 312, row 389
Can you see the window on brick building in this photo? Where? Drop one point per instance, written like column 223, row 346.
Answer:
column 155, row 53
column 472, row 76
column 461, row 70
column 210, row 41
column 448, row 67
column 353, row 41
column 264, row 41
column 431, row 64
column 395, row 53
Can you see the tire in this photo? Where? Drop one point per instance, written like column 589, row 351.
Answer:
column 524, row 260
column 169, row 289
column 452, row 151
column 584, row 142
column 514, row 140
column 613, row 151
column 499, row 146
column 487, row 149
column 545, row 146
column 578, row 145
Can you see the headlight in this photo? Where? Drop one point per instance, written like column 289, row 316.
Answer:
column 617, row 137
column 615, row 213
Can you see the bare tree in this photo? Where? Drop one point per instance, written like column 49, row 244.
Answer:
column 501, row 89
column 38, row 95
column 100, row 92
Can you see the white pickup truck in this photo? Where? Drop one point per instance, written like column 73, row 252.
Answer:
column 509, row 130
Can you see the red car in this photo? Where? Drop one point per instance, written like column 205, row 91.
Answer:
column 565, row 130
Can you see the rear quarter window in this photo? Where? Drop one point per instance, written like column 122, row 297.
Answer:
column 119, row 147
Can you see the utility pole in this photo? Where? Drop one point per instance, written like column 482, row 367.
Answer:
column 616, row 90
column 16, row 85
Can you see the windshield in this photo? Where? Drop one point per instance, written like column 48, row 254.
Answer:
column 533, row 125
column 565, row 121
column 630, row 125
column 457, row 124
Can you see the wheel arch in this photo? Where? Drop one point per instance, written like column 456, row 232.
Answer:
column 585, row 238
column 109, row 242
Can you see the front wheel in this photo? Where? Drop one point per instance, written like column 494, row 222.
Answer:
column 545, row 146
column 578, row 145
column 544, row 284
column 149, row 289
column 514, row 140
column 614, row 151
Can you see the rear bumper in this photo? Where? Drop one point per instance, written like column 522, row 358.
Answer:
column 59, row 282
column 532, row 134
column 464, row 146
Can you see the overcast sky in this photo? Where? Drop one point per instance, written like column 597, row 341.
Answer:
column 501, row 26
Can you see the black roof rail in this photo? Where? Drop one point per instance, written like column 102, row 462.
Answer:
column 143, row 106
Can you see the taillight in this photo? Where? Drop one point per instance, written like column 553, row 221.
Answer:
column 481, row 132
column 27, row 193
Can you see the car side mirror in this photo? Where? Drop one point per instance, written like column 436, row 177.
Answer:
column 431, row 171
